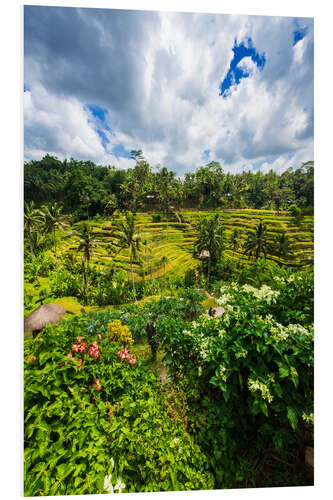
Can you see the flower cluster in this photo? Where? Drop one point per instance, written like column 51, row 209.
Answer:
column 222, row 374
column 94, row 351
column 112, row 409
column 108, row 480
column 110, row 488
column 264, row 293
column 31, row 358
column 96, row 384
column 124, row 354
column 80, row 346
column 255, row 385
column 224, row 299
column 308, row 418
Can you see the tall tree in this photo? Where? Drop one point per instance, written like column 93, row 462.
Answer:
column 210, row 242
column 32, row 220
column 235, row 239
column 53, row 220
column 87, row 243
column 165, row 188
column 127, row 232
column 282, row 246
column 257, row 242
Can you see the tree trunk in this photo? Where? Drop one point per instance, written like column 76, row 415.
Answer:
column 31, row 250
column 55, row 247
column 85, row 280
column 132, row 276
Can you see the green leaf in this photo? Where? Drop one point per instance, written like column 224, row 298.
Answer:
column 283, row 371
column 292, row 417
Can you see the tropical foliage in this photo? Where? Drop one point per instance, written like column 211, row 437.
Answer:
column 190, row 365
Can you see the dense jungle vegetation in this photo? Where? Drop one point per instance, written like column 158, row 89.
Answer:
column 185, row 357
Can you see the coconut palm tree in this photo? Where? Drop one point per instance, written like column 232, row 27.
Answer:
column 282, row 246
column 32, row 220
column 164, row 261
column 38, row 241
column 128, row 236
column 210, row 242
column 87, row 243
column 235, row 240
column 53, row 219
column 257, row 242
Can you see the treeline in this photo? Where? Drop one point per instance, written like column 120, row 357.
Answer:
column 85, row 189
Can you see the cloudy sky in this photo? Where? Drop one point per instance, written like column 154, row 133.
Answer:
column 185, row 88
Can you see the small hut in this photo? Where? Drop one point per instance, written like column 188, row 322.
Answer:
column 45, row 314
column 204, row 254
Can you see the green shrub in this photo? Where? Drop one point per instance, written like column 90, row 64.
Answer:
column 248, row 376
column 92, row 420
column 120, row 333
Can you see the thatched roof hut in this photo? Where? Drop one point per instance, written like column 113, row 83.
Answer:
column 204, row 254
column 45, row 314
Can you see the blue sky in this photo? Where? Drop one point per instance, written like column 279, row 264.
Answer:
column 185, row 88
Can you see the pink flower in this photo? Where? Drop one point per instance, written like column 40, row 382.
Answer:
column 82, row 347
column 93, row 350
column 97, row 385
column 122, row 354
column 79, row 340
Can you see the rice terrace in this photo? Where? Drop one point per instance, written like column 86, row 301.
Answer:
column 168, row 290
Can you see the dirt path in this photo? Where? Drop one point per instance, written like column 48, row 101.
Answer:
column 218, row 309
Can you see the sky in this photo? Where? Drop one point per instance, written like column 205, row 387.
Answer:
column 184, row 88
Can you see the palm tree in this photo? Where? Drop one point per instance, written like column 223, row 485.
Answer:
column 87, row 243
column 209, row 245
column 235, row 240
column 53, row 220
column 128, row 236
column 282, row 246
column 257, row 242
column 164, row 261
column 32, row 220
column 38, row 241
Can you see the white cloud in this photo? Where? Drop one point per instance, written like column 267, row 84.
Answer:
column 160, row 86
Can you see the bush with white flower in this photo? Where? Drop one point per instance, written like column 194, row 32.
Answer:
column 255, row 369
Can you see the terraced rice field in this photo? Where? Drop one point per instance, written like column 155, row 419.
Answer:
column 174, row 240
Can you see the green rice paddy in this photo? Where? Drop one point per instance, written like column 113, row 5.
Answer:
column 168, row 245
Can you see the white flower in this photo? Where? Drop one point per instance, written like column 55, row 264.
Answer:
column 119, row 486
column 112, row 463
column 264, row 293
column 255, row 385
column 308, row 418
column 298, row 330
column 108, row 484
